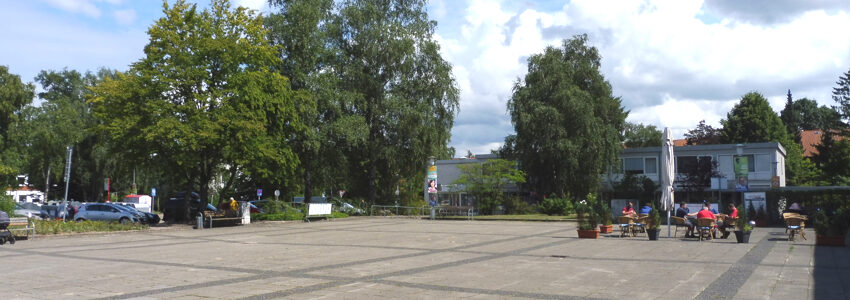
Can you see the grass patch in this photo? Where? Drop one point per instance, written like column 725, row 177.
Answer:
column 337, row 214
column 58, row 227
column 531, row 217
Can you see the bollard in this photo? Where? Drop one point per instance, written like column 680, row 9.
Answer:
column 432, row 213
column 200, row 222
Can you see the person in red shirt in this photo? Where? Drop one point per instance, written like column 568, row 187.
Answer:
column 723, row 225
column 705, row 213
column 629, row 211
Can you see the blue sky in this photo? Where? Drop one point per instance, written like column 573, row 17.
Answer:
column 673, row 62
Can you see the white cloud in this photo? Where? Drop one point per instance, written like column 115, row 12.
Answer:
column 124, row 16
column 672, row 62
column 77, row 6
column 258, row 5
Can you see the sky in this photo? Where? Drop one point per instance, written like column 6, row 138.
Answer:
column 672, row 63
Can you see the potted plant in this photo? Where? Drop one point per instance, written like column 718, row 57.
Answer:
column 761, row 217
column 653, row 224
column 588, row 219
column 830, row 228
column 743, row 226
column 605, row 217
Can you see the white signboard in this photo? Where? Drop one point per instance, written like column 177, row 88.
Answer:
column 318, row 209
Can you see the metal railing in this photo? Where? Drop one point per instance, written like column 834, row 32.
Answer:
column 396, row 210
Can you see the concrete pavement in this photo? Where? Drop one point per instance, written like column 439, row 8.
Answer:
column 389, row 258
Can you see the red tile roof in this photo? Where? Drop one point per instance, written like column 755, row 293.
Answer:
column 812, row 138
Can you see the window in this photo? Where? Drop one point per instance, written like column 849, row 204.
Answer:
column 751, row 162
column 639, row 165
column 692, row 164
column 651, row 165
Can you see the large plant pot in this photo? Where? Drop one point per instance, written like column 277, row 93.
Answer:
column 742, row 236
column 829, row 240
column 653, row 234
column 606, row 228
column 588, row 234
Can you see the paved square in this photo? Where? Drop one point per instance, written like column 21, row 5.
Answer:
column 388, row 258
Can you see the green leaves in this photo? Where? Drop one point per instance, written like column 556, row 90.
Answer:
column 567, row 121
column 487, row 181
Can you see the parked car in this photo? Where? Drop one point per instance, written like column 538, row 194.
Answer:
column 145, row 217
column 28, row 209
column 180, row 209
column 105, row 212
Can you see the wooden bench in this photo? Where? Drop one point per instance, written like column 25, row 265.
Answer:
column 209, row 217
column 24, row 224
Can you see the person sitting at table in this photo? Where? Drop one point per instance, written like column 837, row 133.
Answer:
column 629, row 211
column 708, row 204
column 683, row 212
column 706, row 213
column 646, row 209
column 733, row 214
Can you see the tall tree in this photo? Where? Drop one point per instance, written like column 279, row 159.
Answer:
column 391, row 74
column 841, row 95
column 639, row 135
column 833, row 158
column 203, row 102
column 302, row 29
column 703, row 134
column 753, row 121
column 804, row 114
column 567, row 121
column 14, row 95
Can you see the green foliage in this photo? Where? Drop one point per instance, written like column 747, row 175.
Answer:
column 743, row 222
column 804, row 114
column 833, row 157
column 14, row 94
column 635, row 186
column 832, row 223
column 339, row 214
column 59, row 226
column 640, row 135
column 486, row 181
column 514, row 205
column 7, row 204
column 588, row 216
column 603, row 208
column 654, row 222
column 703, row 135
column 288, row 215
column 753, row 121
column 567, row 121
column 204, row 97
column 394, row 80
column 556, row 206
column 841, row 95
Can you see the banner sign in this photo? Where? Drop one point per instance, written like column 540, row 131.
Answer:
column 741, row 167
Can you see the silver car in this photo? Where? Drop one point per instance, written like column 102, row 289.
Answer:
column 104, row 212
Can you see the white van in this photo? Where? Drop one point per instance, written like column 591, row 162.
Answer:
column 142, row 202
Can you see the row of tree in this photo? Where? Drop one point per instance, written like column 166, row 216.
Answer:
column 319, row 96
column 570, row 128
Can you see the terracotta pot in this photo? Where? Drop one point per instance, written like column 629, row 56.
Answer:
column 829, row 240
column 588, row 234
column 606, row 228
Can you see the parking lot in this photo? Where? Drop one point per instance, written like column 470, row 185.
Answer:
column 388, row 258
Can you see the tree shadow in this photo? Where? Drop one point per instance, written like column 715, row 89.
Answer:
column 831, row 272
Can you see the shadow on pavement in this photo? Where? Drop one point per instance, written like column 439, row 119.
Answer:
column 831, row 272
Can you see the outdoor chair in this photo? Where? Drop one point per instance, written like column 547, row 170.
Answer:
column 794, row 226
column 791, row 215
column 626, row 223
column 679, row 223
column 705, row 228
column 640, row 224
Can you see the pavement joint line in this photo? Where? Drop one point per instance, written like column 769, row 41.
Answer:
column 380, row 277
column 302, row 271
column 727, row 285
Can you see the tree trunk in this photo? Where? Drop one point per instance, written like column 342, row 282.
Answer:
column 308, row 186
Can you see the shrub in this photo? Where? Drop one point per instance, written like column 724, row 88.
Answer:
column 337, row 214
column 588, row 217
column 743, row 219
column 603, row 208
column 556, row 206
column 654, row 219
column 7, row 204
column 831, row 224
column 515, row 205
column 58, row 226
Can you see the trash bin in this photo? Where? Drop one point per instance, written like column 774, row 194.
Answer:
column 200, row 222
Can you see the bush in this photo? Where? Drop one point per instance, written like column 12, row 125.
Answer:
column 338, row 214
column 654, row 219
column 603, row 208
column 7, row 204
column 288, row 215
column 59, row 226
column 556, row 206
column 743, row 219
column 588, row 217
column 831, row 224
column 514, row 205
